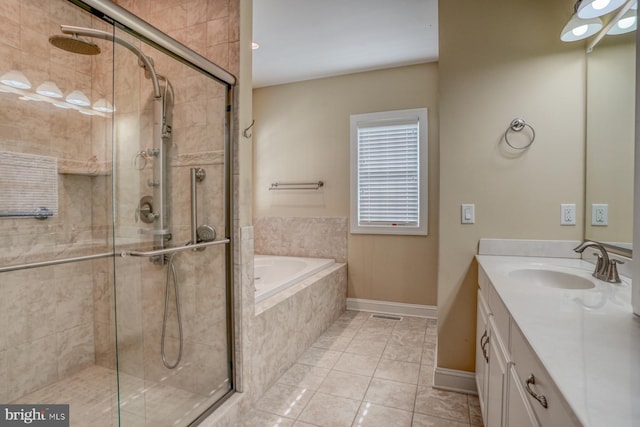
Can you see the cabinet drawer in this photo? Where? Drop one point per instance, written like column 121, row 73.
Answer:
column 500, row 315
column 519, row 412
column 557, row 412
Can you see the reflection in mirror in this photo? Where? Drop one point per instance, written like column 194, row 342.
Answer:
column 610, row 141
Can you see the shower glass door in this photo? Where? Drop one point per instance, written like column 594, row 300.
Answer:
column 113, row 158
column 169, row 190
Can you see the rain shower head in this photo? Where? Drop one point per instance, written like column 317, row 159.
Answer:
column 75, row 44
column 72, row 43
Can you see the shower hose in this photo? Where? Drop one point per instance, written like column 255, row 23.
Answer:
column 171, row 274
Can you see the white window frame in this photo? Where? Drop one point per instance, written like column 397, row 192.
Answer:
column 358, row 121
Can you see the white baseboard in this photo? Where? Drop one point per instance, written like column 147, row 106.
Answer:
column 397, row 308
column 453, row 380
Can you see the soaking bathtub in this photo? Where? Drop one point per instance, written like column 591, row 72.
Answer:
column 273, row 274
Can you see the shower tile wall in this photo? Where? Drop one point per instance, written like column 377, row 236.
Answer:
column 47, row 319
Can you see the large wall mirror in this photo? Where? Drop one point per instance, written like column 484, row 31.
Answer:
column 611, row 74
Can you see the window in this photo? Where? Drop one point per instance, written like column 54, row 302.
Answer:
column 389, row 172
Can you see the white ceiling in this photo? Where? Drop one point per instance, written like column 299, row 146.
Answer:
column 309, row 39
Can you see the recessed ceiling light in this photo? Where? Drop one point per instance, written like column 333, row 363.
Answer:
column 254, row 46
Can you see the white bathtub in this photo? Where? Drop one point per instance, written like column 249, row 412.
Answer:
column 273, row 274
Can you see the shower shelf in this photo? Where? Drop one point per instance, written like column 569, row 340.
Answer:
column 87, row 167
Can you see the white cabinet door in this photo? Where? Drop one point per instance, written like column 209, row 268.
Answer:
column 482, row 335
column 519, row 413
column 497, row 377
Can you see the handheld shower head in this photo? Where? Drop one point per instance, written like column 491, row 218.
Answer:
column 75, row 44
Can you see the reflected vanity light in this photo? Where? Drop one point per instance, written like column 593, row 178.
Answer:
column 49, row 89
column 16, row 82
column 103, row 106
column 62, row 105
column 579, row 29
column 594, row 8
column 29, row 97
column 627, row 23
column 15, row 79
column 78, row 98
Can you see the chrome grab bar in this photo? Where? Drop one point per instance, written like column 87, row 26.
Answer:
column 172, row 250
column 297, row 185
column 197, row 175
column 54, row 262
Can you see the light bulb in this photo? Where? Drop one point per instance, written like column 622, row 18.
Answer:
column 625, row 23
column 600, row 4
column 15, row 79
column 78, row 98
column 578, row 31
column 103, row 106
column 49, row 89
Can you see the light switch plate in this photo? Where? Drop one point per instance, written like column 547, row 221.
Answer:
column 568, row 214
column 468, row 213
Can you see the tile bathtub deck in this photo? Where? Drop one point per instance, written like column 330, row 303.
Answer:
column 366, row 371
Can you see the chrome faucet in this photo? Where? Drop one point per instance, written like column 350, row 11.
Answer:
column 606, row 269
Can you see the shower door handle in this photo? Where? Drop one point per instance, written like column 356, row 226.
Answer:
column 172, row 250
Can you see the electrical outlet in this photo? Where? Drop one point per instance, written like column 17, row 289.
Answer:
column 599, row 214
column 568, row 214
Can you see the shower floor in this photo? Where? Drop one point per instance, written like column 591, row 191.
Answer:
column 92, row 394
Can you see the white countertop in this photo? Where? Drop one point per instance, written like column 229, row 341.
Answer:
column 588, row 340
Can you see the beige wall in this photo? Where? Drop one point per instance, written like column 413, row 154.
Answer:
column 508, row 62
column 302, row 133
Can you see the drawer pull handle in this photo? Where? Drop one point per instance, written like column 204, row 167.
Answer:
column 483, row 343
column 540, row 398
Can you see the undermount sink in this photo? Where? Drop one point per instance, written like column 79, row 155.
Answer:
column 552, row 278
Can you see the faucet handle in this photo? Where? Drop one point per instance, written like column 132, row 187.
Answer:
column 612, row 273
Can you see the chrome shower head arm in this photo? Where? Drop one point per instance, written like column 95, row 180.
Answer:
column 99, row 34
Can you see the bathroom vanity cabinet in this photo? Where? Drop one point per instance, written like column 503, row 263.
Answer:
column 506, row 367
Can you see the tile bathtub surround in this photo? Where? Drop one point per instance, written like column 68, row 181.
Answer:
column 281, row 334
column 315, row 237
column 335, row 383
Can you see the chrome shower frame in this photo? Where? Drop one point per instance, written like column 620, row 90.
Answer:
column 126, row 21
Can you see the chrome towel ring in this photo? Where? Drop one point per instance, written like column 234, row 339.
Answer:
column 517, row 125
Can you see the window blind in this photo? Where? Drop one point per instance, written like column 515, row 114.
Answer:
column 388, row 176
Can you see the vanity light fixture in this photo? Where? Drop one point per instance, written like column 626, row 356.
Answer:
column 15, row 78
column 78, row 98
column 627, row 23
column 594, row 8
column 49, row 89
column 579, row 29
column 103, row 106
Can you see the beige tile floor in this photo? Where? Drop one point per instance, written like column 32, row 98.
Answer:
column 362, row 372
column 92, row 395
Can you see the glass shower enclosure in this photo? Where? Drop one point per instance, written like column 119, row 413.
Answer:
column 115, row 217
